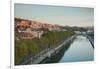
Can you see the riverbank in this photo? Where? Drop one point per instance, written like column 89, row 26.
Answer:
column 91, row 41
column 49, row 52
column 27, row 48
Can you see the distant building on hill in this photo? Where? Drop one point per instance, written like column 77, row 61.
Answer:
column 28, row 33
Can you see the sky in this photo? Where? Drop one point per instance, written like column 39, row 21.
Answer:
column 61, row 15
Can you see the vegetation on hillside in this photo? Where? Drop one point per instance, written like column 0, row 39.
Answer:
column 26, row 47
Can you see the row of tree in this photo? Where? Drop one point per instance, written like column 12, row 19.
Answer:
column 26, row 47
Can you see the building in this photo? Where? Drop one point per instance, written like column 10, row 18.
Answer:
column 37, row 34
column 24, row 35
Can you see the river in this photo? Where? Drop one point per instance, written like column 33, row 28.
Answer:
column 79, row 50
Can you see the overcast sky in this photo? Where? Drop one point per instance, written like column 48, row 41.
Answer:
column 62, row 15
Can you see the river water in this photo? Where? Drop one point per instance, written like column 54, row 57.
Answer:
column 79, row 50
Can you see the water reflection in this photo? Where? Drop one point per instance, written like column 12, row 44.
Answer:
column 79, row 50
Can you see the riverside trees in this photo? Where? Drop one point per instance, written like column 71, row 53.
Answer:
column 26, row 47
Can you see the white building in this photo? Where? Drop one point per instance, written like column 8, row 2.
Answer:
column 37, row 34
